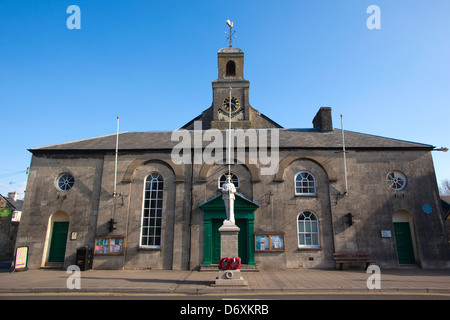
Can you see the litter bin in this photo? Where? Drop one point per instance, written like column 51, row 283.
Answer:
column 85, row 256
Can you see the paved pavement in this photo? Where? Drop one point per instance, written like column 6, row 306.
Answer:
column 181, row 282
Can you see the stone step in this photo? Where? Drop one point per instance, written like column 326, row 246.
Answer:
column 53, row 265
column 215, row 267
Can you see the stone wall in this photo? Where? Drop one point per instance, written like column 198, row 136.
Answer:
column 89, row 205
column 43, row 200
column 8, row 232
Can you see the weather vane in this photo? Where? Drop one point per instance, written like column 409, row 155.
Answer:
column 230, row 36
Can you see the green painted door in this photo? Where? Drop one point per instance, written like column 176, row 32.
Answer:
column 242, row 240
column 213, row 216
column 216, row 224
column 405, row 251
column 58, row 242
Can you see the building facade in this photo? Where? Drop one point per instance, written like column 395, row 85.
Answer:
column 10, row 212
column 296, row 205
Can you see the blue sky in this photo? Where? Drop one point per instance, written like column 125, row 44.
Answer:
column 152, row 63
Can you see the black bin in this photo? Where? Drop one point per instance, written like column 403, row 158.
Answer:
column 85, row 256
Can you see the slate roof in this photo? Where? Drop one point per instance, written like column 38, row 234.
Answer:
column 289, row 139
column 13, row 204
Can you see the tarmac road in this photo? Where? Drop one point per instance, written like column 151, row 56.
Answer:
column 232, row 298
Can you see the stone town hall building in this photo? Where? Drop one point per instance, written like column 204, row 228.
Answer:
column 166, row 214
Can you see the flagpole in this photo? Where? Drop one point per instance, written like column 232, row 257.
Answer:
column 229, row 135
column 343, row 152
column 117, row 153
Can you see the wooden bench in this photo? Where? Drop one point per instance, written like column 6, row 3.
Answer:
column 352, row 257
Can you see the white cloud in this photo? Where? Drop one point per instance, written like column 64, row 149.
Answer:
column 18, row 187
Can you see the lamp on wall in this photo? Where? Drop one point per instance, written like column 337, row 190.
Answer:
column 349, row 219
column 111, row 225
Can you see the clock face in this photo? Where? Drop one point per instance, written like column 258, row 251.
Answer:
column 234, row 104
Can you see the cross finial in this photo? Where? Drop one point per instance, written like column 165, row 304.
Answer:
column 230, row 37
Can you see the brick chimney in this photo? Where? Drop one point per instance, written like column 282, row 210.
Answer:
column 12, row 195
column 322, row 120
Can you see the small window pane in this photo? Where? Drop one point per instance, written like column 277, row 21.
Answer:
column 301, row 239
column 307, row 226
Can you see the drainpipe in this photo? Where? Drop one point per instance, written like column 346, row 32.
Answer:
column 191, row 205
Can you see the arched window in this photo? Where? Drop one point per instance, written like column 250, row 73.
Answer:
column 308, row 230
column 305, row 184
column 231, row 69
column 152, row 211
column 234, row 179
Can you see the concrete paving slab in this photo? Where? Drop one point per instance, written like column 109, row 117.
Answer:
column 194, row 282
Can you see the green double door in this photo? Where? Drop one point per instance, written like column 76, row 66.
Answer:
column 213, row 216
column 403, row 241
column 58, row 242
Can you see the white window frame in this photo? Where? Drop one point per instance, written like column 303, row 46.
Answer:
column 394, row 177
column 306, row 232
column 313, row 181
column 147, row 204
column 67, row 184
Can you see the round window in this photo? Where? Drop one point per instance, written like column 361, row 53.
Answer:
column 396, row 180
column 65, row 182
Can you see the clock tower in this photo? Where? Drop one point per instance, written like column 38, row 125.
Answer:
column 231, row 75
column 230, row 91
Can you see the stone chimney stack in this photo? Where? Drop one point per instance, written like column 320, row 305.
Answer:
column 12, row 195
column 322, row 120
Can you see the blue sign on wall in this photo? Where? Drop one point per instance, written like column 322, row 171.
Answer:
column 427, row 208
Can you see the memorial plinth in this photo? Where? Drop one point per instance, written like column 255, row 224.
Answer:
column 229, row 240
column 229, row 248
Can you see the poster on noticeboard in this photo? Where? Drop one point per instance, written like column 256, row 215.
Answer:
column 109, row 246
column 269, row 242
